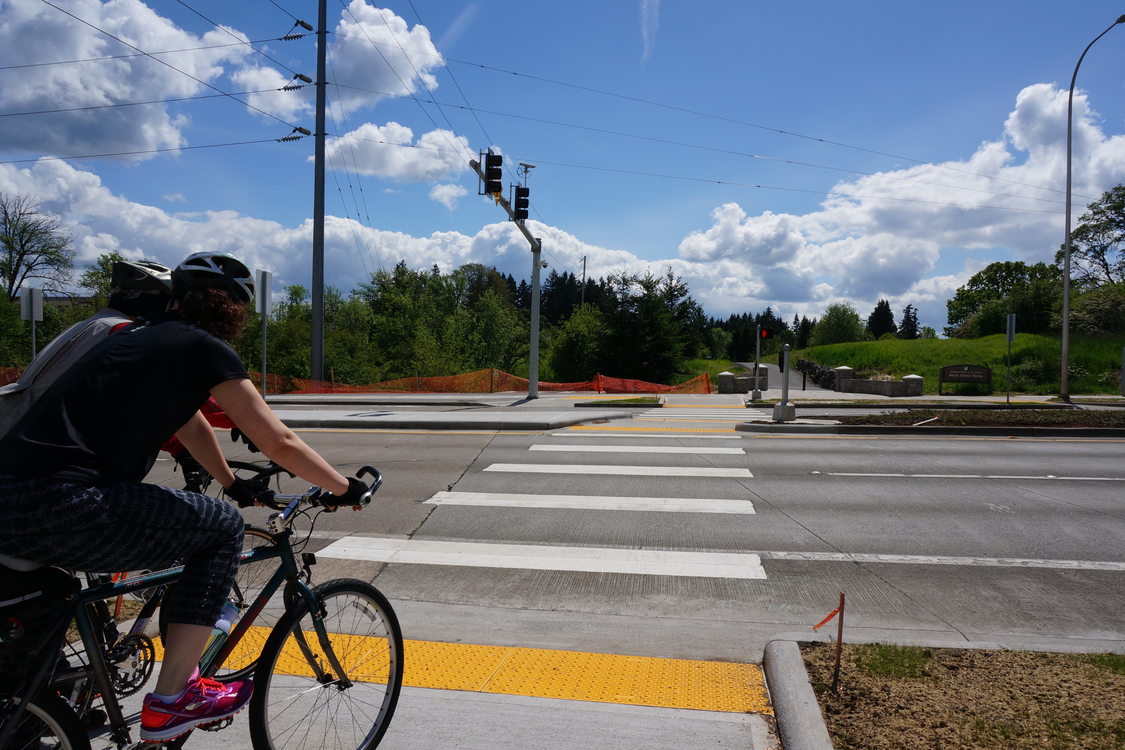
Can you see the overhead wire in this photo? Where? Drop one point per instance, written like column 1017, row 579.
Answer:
column 169, row 65
column 230, row 33
column 142, row 152
column 104, row 58
column 744, row 123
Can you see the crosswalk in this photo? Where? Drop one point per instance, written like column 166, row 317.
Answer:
column 722, row 465
column 702, row 414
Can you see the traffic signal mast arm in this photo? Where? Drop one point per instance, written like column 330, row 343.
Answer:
column 503, row 202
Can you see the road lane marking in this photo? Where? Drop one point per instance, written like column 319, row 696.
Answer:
column 630, row 471
column 595, row 502
column 968, row 476
column 987, row 562
column 648, row 428
column 739, row 565
column 680, row 449
column 663, row 436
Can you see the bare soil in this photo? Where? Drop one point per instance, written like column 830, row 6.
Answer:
column 904, row 698
column 1114, row 418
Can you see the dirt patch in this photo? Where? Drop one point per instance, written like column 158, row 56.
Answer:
column 906, row 698
column 993, row 418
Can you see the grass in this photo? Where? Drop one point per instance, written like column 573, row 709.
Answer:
column 1095, row 361
column 994, row 417
column 886, row 660
column 693, row 368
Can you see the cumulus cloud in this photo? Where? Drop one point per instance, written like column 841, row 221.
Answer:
column 375, row 54
column 390, row 152
column 35, row 32
column 858, row 246
column 448, row 195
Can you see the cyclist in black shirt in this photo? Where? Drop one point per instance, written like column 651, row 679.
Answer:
column 71, row 471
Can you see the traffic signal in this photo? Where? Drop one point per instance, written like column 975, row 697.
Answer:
column 522, row 203
column 493, row 174
column 765, row 333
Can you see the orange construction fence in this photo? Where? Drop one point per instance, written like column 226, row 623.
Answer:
column 481, row 381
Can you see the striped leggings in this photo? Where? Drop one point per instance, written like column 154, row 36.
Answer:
column 128, row 526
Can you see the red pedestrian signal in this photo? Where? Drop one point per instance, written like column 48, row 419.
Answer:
column 765, row 333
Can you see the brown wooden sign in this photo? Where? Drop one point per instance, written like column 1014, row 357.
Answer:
column 965, row 374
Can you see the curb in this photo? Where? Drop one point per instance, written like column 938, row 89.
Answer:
column 1054, row 432
column 800, row 723
column 462, row 421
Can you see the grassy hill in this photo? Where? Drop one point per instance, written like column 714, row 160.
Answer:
column 1095, row 361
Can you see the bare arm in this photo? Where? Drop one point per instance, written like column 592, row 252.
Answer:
column 198, row 437
column 245, row 407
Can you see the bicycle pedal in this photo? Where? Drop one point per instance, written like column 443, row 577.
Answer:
column 216, row 726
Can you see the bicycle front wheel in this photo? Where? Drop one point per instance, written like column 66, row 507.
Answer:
column 48, row 722
column 305, row 696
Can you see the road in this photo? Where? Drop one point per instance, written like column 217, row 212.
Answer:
column 729, row 539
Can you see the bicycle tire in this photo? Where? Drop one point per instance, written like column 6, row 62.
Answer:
column 248, row 581
column 293, row 708
column 48, row 722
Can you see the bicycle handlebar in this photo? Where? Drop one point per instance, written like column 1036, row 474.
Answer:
column 317, row 497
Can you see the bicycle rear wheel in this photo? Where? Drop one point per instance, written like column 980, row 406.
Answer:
column 48, row 723
column 302, row 700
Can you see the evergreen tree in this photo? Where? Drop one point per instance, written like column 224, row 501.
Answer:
column 882, row 320
column 908, row 328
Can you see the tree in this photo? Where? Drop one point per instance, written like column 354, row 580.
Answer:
column 881, row 320
column 839, row 324
column 98, row 275
column 643, row 340
column 33, row 246
column 575, row 350
column 908, row 328
column 1097, row 253
column 981, row 306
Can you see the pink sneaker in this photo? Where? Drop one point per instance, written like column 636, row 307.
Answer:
column 203, row 701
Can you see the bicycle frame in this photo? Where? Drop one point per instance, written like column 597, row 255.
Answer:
column 288, row 571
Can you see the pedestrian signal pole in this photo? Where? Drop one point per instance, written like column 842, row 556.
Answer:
column 31, row 310
column 491, row 177
column 262, row 304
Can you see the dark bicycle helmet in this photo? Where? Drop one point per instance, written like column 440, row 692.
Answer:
column 140, row 275
column 211, row 270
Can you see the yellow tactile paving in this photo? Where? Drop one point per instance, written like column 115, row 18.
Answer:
column 619, row 428
column 567, row 675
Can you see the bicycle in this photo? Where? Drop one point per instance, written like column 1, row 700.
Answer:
column 131, row 656
column 330, row 669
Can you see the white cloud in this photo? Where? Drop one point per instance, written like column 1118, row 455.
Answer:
column 448, row 195
column 390, row 152
column 287, row 105
column 650, row 20
column 376, row 55
column 34, row 31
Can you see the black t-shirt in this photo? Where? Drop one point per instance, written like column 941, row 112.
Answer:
column 106, row 417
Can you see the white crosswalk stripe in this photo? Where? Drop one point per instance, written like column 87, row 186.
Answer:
column 595, row 502
column 540, row 557
column 639, row 471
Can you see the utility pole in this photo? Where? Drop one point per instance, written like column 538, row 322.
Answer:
column 316, row 364
column 536, row 265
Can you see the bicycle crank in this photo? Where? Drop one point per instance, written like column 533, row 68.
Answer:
column 131, row 661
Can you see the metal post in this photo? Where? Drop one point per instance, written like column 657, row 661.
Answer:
column 784, row 411
column 1064, row 375
column 757, row 394
column 31, row 310
column 316, row 364
column 262, row 292
column 1122, row 378
column 1011, row 338
column 533, row 347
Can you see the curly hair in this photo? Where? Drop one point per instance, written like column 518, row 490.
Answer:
column 214, row 311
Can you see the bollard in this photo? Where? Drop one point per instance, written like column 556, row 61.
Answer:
column 784, row 411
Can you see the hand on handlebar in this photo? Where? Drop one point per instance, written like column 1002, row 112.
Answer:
column 247, row 492
column 357, row 495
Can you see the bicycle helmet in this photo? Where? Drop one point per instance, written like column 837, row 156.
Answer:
column 211, row 270
column 141, row 276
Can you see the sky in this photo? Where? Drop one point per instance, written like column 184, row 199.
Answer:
column 790, row 155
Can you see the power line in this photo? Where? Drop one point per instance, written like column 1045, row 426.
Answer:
column 141, row 152
column 731, row 120
column 138, row 54
column 169, row 65
column 172, row 100
column 230, row 33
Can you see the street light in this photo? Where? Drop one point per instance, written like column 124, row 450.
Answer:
column 1064, row 377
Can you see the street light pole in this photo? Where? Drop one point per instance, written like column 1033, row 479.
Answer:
column 1064, row 375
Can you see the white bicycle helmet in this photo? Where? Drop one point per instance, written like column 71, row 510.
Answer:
column 211, row 270
column 140, row 276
